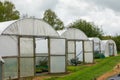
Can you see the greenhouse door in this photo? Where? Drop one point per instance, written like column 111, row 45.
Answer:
column 97, row 47
column 41, row 55
column 88, row 52
column 26, row 57
column 111, row 49
column 74, row 50
column 79, row 50
column 57, row 54
column 71, row 52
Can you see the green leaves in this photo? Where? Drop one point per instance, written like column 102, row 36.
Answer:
column 8, row 11
column 88, row 28
column 51, row 18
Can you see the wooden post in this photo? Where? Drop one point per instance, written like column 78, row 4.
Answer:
column 18, row 58
column 83, row 52
column 49, row 55
column 66, row 54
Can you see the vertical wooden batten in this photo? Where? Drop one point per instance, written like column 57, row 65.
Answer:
column 83, row 52
column 49, row 55
column 18, row 57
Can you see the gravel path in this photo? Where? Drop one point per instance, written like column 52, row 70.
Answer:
column 116, row 77
column 115, row 71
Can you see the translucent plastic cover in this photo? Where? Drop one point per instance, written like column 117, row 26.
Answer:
column 88, row 51
column 57, row 64
column 88, row 46
column 71, row 47
column 26, row 67
column 10, row 68
column 57, row 55
column 26, row 47
column 8, row 46
column 111, row 49
column 57, row 46
column 79, row 50
column 88, row 57
column 41, row 46
column 29, row 26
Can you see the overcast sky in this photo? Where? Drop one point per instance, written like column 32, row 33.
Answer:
column 105, row 13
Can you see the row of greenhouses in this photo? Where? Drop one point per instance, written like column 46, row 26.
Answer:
column 30, row 47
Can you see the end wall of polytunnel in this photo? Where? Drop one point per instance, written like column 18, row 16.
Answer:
column 109, row 48
column 97, row 44
column 29, row 40
column 76, row 41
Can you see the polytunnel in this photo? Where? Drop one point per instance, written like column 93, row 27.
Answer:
column 30, row 47
column 108, row 48
column 97, row 44
column 78, row 45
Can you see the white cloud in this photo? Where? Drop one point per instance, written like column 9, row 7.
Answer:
column 34, row 8
column 101, row 16
column 102, row 13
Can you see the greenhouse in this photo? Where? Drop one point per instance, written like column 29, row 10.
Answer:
column 30, row 47
column 78, row 45
column 97, row 44
column 108, row 48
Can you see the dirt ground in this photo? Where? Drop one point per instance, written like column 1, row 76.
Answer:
column 41, row 77
column 116, row 70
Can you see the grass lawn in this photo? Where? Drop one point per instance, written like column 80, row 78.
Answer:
column 85, row 72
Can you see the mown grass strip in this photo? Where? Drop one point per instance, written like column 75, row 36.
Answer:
column 90, row 72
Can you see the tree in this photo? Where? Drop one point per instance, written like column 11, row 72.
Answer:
column 117, row 41
column 88, row 28
column 8, row 11
column 51, row 18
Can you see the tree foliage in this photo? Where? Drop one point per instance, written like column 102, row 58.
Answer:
column 88, row 28
column 117, row 41
column 51, row 18
column 8, row 11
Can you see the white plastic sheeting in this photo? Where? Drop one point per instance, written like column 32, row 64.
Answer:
column 57, row 56
column 88, row 51
column 41, row 51
column 41, row 46
column 97, row 43
column 26, row 50
column 28, row 26
column 57, row 64
column 108, row 46
column 57, row 46
column 28, row 31
column 75, row 45
column 71, row 51
column 10, row 68
column 4, row 25
column 79, row 50
column 8, row 46
column 71, row 47
column 73, row 33
column 21, row 27
column 26, row 47
column 26, row 67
